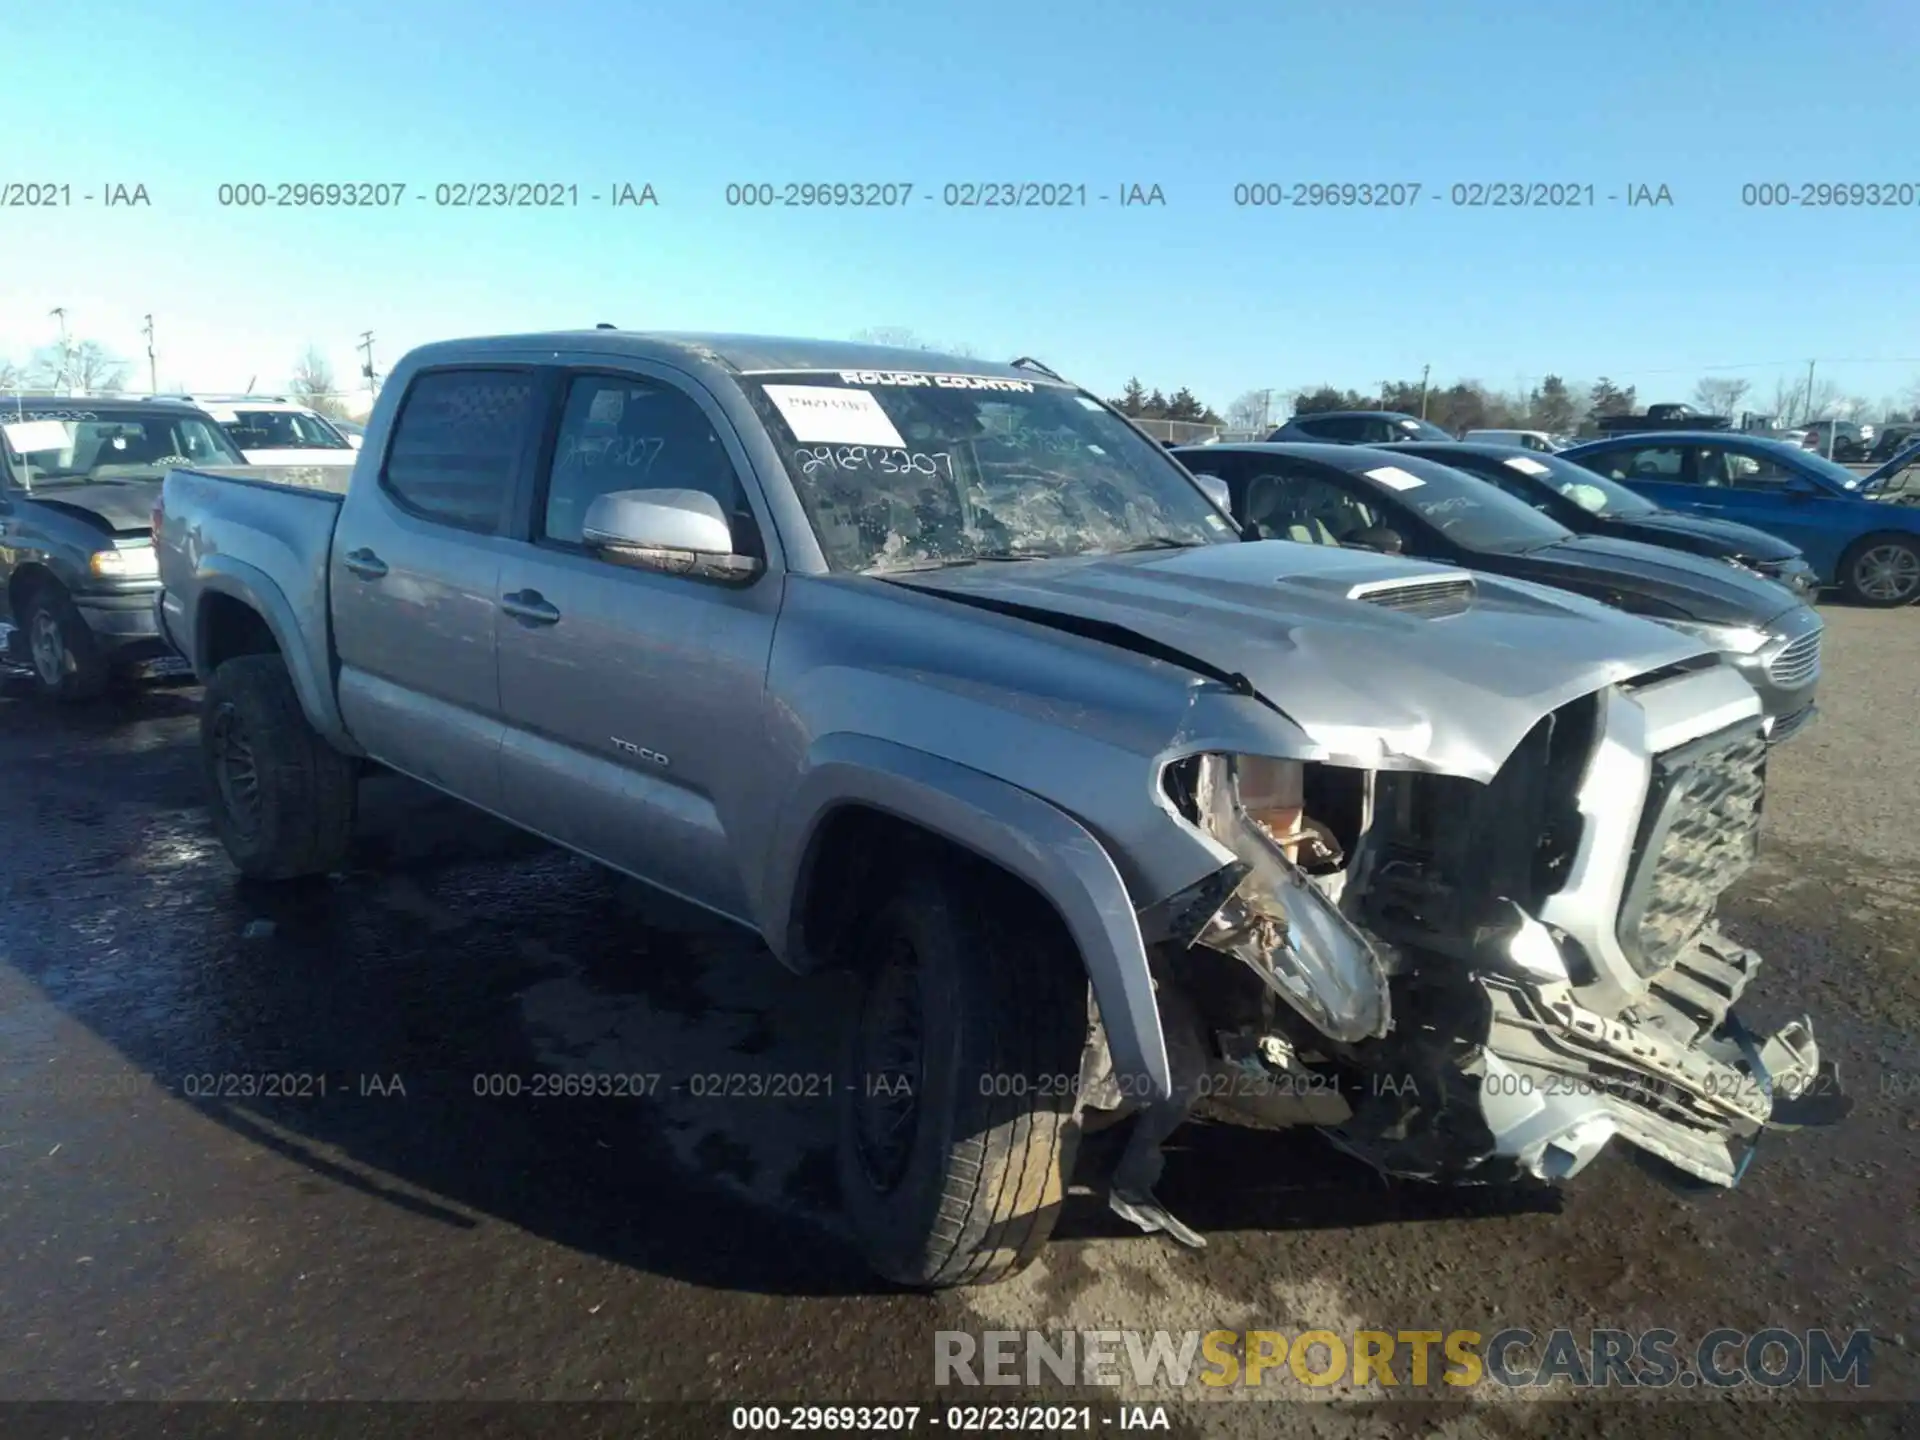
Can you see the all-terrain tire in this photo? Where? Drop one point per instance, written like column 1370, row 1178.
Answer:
column 67, row 663
column 283, row 799
column 999, row 996
column 1881, row 571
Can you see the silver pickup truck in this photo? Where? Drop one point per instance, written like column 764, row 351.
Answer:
column 942, row 672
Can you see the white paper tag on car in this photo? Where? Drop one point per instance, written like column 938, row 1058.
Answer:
column 28, row 436
column 830, row 415
column 1396, row 478
column 1526, row 466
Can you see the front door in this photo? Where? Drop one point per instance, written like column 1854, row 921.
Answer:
column 634, row 699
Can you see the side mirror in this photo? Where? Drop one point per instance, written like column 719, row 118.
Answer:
column 679, row 532
column 1216, row 490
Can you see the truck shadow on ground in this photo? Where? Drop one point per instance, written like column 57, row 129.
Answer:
column 508, row 1032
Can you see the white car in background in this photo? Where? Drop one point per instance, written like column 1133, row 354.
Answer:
column 1526, row 439
column 273, row 430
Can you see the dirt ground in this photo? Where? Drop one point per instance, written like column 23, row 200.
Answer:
column 405, row 1220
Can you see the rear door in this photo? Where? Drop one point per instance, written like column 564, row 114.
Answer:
column 415, row 571
column 635, row 699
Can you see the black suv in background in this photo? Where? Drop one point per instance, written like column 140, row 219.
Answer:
column 1357, row 427
column 1590, row 504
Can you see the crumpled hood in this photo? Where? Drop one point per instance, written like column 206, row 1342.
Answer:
column 1452, row 692
column 122, row 506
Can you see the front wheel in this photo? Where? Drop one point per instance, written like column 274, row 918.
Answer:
column 957, row 1102
column 67, row 663
column 282, row 798
column 1882, row 571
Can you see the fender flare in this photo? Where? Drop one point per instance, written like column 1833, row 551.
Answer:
column 254, row 588
column 1006, row 825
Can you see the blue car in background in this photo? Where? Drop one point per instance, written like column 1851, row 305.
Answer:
column 1855, row 531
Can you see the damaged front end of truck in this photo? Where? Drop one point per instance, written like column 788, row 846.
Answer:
column 1469, row 981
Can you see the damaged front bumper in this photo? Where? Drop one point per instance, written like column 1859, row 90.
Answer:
column 1373, row 975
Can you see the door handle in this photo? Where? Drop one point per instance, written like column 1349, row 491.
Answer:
column 531, row 606
column 365, row 564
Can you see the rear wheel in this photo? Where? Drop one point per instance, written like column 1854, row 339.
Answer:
column 67, row 663
column 1882, row 571
column 282, row 798
column 957, row 1128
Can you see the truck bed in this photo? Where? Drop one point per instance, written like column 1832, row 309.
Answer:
column 261, row 531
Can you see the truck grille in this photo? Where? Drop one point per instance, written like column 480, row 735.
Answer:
column 1697, row 835
column 1798, row 663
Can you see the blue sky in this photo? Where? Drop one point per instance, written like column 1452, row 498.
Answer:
column 1701, row 97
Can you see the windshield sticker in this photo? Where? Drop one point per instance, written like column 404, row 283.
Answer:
column 1527, row 467
column 1395, row 478
column 825, row 414
column 944, row 382
column 223, row 414
column 29, row 436
column 883, row 460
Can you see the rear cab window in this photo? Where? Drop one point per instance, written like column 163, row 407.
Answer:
column 458, row 444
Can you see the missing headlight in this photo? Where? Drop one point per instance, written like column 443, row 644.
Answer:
column 1277, row 921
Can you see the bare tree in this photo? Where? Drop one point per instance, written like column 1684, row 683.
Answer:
column 1720, row 396
column 1821, row 401
column 84, row 367
column 1249, row 411
column 313, row 384
column 1788, row 396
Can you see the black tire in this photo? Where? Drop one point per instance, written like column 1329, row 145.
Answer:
column 1881, row 571
column 66, row 661
column 282, row 799
column 970, row 1193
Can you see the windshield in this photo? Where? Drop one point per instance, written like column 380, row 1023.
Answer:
column 282, row 430
column 1466, row 509
column 1595, row 494
column 904, row 470
column 75, row 444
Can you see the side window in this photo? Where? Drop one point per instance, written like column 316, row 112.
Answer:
column 1331, row 427
column 1651, row 462
column 627, row 433
column 1746, row 472
column 457, row 445
column 1304, row 508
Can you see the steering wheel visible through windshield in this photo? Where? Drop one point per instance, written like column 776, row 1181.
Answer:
column 909, row 469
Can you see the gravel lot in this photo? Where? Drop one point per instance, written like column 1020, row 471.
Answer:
column 400, row 1237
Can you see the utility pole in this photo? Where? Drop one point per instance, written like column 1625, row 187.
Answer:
column 1266, row 409
column 59, row 312
column 1424, row 370
column 366, row 348
column 153, row 370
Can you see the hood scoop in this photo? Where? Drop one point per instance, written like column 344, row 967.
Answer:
column 1434, row 596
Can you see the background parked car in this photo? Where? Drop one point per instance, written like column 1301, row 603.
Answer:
column 353, row 430
column 78, row 482
column 1538, row 440
column 1398, row 502
column 1839, row 439
column 1591, row 504
column 1358, row 427
column 273, row 430
column 1852, row 533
